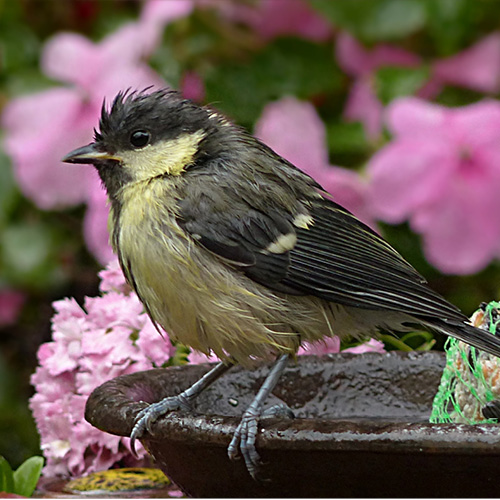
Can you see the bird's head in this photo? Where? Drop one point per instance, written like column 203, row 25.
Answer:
column 146, row 135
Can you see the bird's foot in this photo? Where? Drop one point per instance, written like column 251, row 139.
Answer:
column 153, row 412
column 279, row 411
column 246, row 433
column 244, row 441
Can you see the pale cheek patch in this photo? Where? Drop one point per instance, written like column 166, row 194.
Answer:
column 166, row 157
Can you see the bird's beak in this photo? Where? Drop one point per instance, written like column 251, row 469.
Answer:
column 89, row 154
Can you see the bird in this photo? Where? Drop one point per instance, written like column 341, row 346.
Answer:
column 236, row 252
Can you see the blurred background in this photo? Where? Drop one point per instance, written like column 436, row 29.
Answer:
column 392, row 105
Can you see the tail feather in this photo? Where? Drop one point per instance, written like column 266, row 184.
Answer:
column 477, row 337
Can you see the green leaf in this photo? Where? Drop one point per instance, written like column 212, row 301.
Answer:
column 9, row 193
column 375, row 20
column 452, row 23
column 27, row 475
column 29, row 255
column 288, row 66
column 6, row 476
column 346, row 138
column 392, row 82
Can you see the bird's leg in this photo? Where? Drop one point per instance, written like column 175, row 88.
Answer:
column 246, row 432
column 150, row 414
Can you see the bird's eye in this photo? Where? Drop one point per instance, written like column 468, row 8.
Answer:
column 139, row 138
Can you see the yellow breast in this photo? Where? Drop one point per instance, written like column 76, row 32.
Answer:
column 198, row 299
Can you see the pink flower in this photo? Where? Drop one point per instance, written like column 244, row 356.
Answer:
column 112, row 279
column 111, row 336
column 273, row 18
column 329, row 345
column 195, row 358
column 363, row 104
column 36, row 137
column 294, row 130
column 43, row 127
column 477, row 68
column 158, row 13
column 441, row 172
column 371, row 346
column 192, row 86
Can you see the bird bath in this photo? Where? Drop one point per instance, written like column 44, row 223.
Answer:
column 361, row 430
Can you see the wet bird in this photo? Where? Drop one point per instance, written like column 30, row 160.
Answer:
column 234, row 251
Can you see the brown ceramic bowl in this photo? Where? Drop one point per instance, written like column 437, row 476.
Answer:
column 361, row 430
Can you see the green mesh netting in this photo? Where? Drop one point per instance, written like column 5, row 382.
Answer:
column 471, row 378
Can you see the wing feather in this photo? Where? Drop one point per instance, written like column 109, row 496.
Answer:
column 336, row 257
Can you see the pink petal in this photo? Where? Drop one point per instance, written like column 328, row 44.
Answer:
column 40, row 130
column 196, row 357
column 363, row 105
column 135, row 77
column 414, row 117
column 273, row 18
column 326, row 346
column 69, row 57
column 126, row 46
column 166, row 12
column 388, row 55
column 477, row 68
column 95, row 224
column 291, row 17
column 192, row 86
column 356, row 60
column 477, row 125
column 462, row 230
column 352, row 57
column 295, row 131
column 371, row 346
column 406, row 175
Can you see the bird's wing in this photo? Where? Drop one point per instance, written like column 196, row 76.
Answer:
column 329, row 254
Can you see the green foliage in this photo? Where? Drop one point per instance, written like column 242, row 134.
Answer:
column 18, row 435
column 375, row 20
column 392, row 82
column 413, row 341
column 22, row 481
column 286, row 67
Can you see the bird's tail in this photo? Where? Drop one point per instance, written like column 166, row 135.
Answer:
column 477, row 337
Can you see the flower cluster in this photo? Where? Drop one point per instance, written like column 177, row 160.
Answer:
column 110, row 336
column 442, row 173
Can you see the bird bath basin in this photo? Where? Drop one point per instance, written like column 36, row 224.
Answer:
column 361, row 430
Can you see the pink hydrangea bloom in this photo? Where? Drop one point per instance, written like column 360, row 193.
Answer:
column 110, row 336
column 363, row 104
column 441, row 172
column 294, row 130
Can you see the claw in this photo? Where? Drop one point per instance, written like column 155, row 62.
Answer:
column 246, row 432
column 244, row 441
column 149, row 415
column 279, row 410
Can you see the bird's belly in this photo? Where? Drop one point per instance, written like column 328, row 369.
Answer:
column 205, row 304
